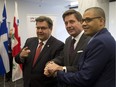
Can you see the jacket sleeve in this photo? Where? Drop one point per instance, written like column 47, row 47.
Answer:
column 91, row 66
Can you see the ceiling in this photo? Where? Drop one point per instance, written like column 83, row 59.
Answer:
column 51, row 3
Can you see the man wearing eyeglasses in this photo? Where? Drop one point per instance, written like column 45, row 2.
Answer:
column 36, row 52
column 97, row 64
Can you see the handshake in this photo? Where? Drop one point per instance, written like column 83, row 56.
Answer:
column 51, row 69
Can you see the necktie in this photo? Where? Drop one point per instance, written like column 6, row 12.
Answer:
column 72, row 45
column 37, row 52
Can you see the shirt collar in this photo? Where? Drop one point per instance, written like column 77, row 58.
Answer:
column 45, row 41
column 78, row 36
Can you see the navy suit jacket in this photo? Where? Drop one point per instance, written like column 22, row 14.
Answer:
column 96, row 66
column 34, row 75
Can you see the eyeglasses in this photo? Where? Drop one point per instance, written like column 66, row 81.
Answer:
column 42, row 28
column 87, row 20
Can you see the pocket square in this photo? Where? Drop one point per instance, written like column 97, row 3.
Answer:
column 80, row 51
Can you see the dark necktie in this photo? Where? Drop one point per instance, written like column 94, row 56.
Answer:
column 72, row 45
column 71, row 51
column 37, row 52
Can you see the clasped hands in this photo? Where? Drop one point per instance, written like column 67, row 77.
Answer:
column 51, row 69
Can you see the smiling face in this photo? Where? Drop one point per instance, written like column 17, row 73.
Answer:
column 92, row 22
column 73, row 26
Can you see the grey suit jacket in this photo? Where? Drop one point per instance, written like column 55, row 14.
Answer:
column 34, row 75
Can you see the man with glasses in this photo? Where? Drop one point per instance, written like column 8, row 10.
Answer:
column 36, row 52
column 97, row 64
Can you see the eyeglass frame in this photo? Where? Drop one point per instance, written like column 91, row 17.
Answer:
column 87, row 20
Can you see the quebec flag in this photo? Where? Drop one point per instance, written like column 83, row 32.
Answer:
column 4, row 59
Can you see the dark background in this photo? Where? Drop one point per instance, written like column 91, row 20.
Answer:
column 112, row 0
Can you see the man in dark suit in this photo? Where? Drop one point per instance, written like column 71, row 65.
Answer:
column 97, row 64
column 69, row 59
column 33, row 73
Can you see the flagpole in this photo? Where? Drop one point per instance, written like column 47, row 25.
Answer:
column 17, row 72
column 15, row 84
column 5, row 2
column 4, row 74
column 4, row 80
column 4, row 64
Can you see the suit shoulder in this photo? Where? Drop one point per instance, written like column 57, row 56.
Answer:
column 84, row 38
column 31, row 39
column 68, row 38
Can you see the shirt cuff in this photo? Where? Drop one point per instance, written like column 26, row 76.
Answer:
column 65, row 69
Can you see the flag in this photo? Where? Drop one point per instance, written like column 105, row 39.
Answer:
column 16, row 47
column 4, row 59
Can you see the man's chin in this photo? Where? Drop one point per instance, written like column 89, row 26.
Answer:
column 86, row 33
column 41, row 38
column 72, row 34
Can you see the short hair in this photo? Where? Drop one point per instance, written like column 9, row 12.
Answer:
column 70, row 12
column 98, row 11
column 44, row 18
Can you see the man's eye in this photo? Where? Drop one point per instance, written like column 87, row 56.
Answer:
column 88, row 19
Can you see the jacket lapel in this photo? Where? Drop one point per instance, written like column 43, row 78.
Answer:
column 33, row 49
column 79, row 48
column 67, row 46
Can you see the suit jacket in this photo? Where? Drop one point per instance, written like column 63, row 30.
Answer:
column 34, row 75
column 71, row 62
column 97, row 64
column 64, row 58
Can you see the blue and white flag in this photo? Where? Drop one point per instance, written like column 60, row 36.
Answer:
column 4, row 59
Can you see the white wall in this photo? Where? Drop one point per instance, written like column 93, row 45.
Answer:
column 112, row 18
column 104, row 4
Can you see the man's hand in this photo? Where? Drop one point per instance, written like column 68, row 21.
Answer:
column 25, row 52
column 51, row 68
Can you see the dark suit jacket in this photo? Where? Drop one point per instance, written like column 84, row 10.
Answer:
column 34, row 75
column 97, row 64
column 64, row 59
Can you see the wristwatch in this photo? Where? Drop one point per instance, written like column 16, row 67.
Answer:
column 64, row 69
